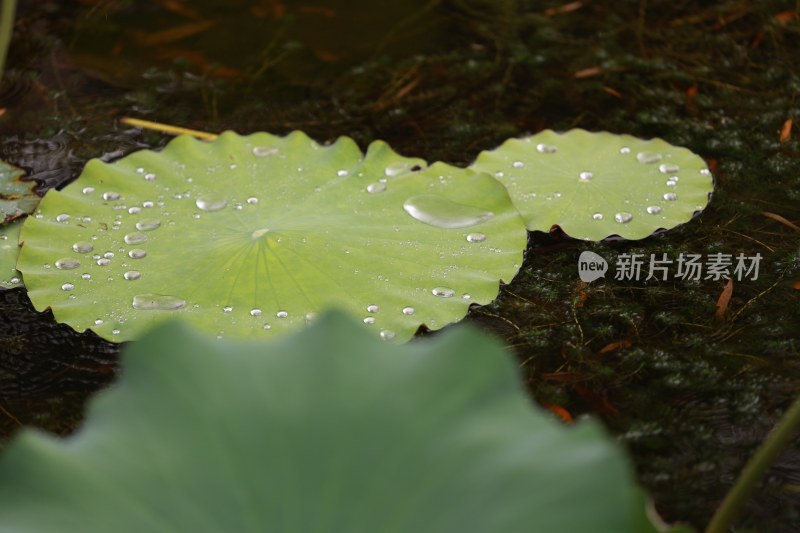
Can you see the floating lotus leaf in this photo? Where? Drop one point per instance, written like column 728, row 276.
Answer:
column 250, row 236
column 329, row 430
column 16, row 196
column 9, row 252
column 594, row 185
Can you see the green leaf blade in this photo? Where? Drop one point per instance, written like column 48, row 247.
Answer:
column 595, row 185
column 251, row 236
column 328, row 430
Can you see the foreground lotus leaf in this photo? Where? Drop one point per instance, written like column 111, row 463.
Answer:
column 249, row 236
column 9, row 252
column 16, row 196
column 595, row 185
column 328, row 430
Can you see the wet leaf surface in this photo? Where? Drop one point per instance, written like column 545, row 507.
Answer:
column 251, row 236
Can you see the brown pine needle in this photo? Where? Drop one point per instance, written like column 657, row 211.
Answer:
column 724, row 300
column 167, row 128
column 786, row 131
column 782, row 220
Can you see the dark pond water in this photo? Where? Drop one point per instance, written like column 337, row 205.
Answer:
column 689, row 395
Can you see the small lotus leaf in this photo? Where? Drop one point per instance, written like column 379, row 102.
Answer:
column 16, row 196
column 325, row 431
column 9, row 252
column 252, row 235
column 595, row 185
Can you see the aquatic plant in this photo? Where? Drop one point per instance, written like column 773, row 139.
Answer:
column 9, row 251
column 325, row 430
column 17, row 197
column 253, row 235
column 595, row 185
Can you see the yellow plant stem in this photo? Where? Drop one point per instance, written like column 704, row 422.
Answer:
column 167, row 128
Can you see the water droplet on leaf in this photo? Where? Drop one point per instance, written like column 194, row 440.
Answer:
column 374, row 188
column 66, row 263
column 132, row 275
column 211, row 203
column 163, row 302
column 623, row 218
column 654, row 209
column 648, row 158
column 135, row 238
column 148, row 224
column 443, row 292
column 476, row 237
column 546, row 148
column 441, row 212
column 408, row 311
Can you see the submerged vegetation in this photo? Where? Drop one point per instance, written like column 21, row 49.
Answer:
column 690, row 374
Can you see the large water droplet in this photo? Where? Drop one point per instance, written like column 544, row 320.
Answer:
column 98, row 322
column 63, row 218
column 546, row 148
column 88, row 190
column 372, row 308
column 103, row 262
column 375, row 188
column 598, row 216
column 670, row 196
column 517, row 164
column 150, row 176
column 137, row 253
column 227, row 309
column 369, row 320
column 654, row 209
column 211, row 203
column 648, row 158
column 148, row 224
column 476, row 237
column 586, row 176
column 67, row 287
column 440, row 212
column 163, row 302
column 135, row 238
column 624, row 150
column 395, row 169
column 623, row 218
column 444, row 292
column 255, row 312
column 668, row 168
column 408, row 311
column 705, row 172
column 132, row 275
column 342, row 173
column 281, row 314
column 135, row 210
column 387, row 334
column 86, row 275
column 66, row 263
column 82, row 247
column 111, row 196
column 264, row 151
column 252, row 200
